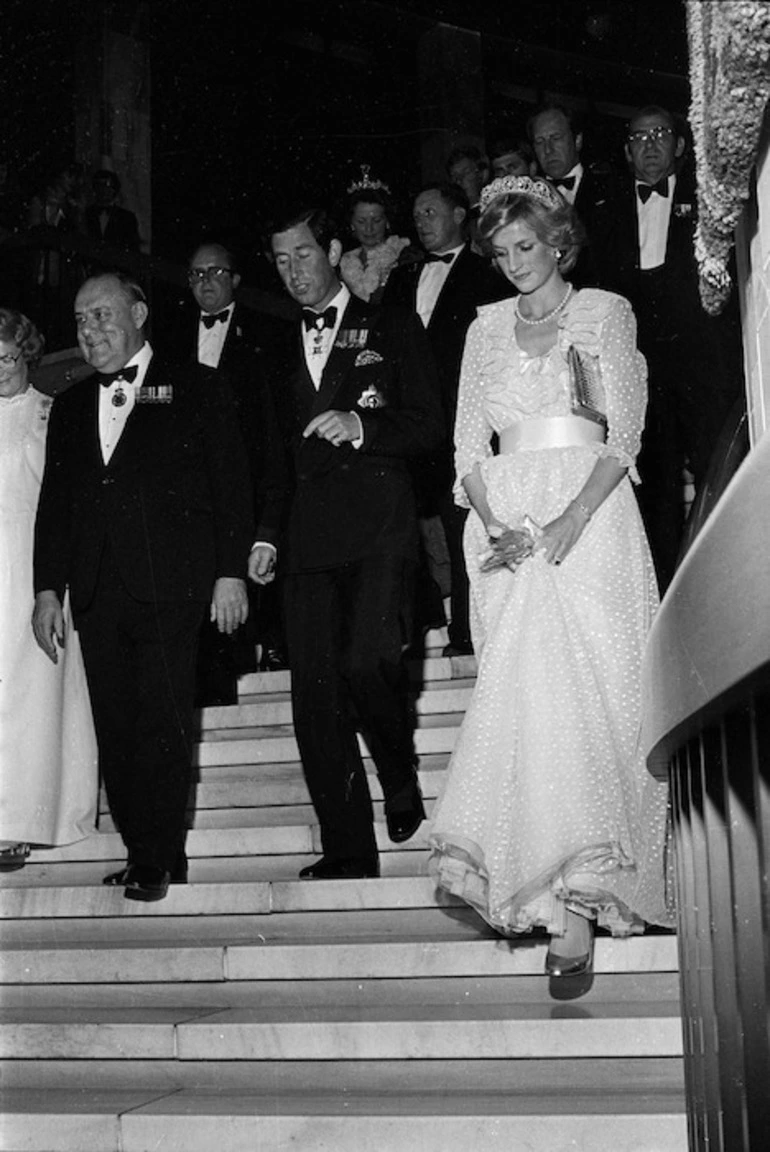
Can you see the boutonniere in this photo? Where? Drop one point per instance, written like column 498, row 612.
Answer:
column 371, row 398
column 369, row 356
column 45, row 409
column 155, row 394
column 239, row 332
column 683, row 210
column 352, row 338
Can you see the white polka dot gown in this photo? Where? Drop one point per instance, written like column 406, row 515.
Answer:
column 548, row 803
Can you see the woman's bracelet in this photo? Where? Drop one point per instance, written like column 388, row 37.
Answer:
column 581, row 507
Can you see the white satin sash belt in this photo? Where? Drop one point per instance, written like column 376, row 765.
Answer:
column 550, row 432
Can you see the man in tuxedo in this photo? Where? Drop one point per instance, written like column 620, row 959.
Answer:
column 221, row 333
column 693, row 359
column 558, row 143
column 445, row 288
column 145, row 518
column 106, row 222
column 361, row 398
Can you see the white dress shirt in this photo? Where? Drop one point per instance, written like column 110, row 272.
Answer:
column 432, row 279
column 653, row 219
column 112, row 419
column 318, row 345
column 211, row 340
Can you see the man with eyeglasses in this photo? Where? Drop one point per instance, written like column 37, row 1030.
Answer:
column 693, row 359
column 145, row 518
column 218, row 331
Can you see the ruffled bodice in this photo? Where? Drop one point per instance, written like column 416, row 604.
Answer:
column 500, row 384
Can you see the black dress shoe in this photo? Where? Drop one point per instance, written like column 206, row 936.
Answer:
column 458, row 648
column 14, row 857
column 118, row 879
column 145, row 882
column 331, row 868
column 272, row 660
column 404, row 814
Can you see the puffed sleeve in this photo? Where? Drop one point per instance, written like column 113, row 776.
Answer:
column 624, row 378
column 473, row 432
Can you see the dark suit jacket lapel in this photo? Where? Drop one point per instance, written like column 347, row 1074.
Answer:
column 232, row 340
column 341, row 359
column 454, row 278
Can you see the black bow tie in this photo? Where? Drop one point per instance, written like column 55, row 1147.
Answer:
column 127, row 374
column 433, row 258
column 319, row 320
column 644, row 191
column 567, row 182
column 211, row 318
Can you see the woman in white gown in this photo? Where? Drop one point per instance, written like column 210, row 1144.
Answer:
column 365, row 269
column 548, row 816
column 48, row 761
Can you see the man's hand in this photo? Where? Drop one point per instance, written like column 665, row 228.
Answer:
column 48, row 624
column 262, row 564
column 336, row 427
column 229, row 604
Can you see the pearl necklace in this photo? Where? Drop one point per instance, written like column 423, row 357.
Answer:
column 549, row 315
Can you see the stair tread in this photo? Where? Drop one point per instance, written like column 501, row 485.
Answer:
column 204, row 1102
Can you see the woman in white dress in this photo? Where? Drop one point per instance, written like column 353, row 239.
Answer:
column 48, row 764
column 548, row 816
column 365, row 269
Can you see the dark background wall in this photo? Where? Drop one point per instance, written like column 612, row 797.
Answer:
column 254, row 102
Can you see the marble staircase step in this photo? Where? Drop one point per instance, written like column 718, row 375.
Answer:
column 228, row 898
column 229, row 786
column 281, row 840
column 437, row 696
column 215, row 869
column 271, row 958
column 329, row 926
column 434, row 667
column 270, row 815
column 340, row 1121
column 469, row 1029
column 198, row 993
column 649, row 1075
column 277, row 744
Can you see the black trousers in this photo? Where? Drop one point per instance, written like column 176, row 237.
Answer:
column 140, row 665
column 346, row 629
column 453, row 520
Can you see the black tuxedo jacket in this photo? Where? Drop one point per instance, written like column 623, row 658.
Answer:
column 353, row 503
column 666, row 300
column 248, row 369
column 592, row 196
column 121, row 231
column 173, row 502
column 472, row 281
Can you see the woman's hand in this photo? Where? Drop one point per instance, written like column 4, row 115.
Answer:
column 508, row 547
column 562, row 534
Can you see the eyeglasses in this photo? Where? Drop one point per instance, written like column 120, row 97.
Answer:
column 10, row 361
column 650, row 135
column 198, row 275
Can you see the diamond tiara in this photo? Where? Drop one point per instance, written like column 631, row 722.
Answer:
column 539, row 190
column 366, row 184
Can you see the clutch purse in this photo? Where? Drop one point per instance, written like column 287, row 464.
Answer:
column 585, row 378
